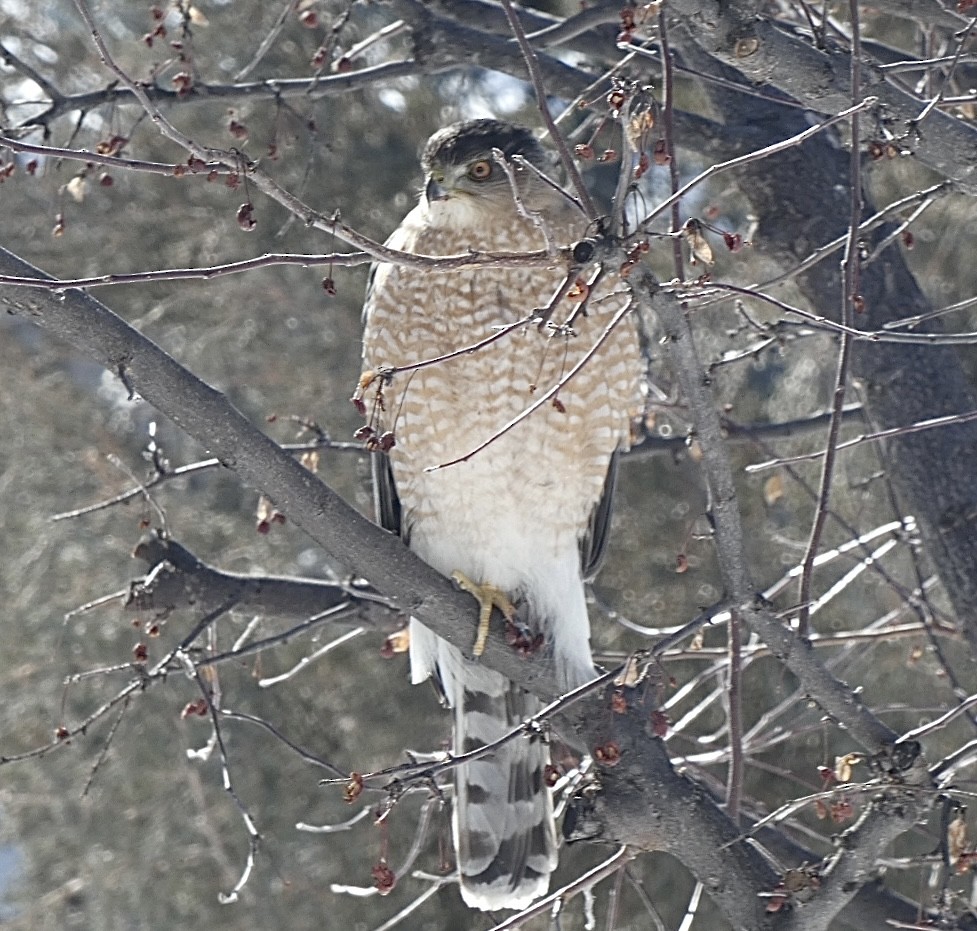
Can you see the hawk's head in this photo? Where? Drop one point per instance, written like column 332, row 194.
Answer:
column 462, row 174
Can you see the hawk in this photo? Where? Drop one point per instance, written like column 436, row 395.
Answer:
column 522, row 522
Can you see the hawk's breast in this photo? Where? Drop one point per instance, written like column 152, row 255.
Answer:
column 532, row 488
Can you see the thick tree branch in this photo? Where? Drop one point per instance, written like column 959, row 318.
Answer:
column 205, row 414
column 766, row 53
column 793, row 217
column 902, row 384
column 179, row 581
column 733, row 871
column 833, row 696
column 411, row 585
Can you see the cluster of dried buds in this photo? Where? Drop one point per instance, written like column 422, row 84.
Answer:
column 632, row 17
column 608, row 754
column 634, row 256
column 585, row 151
column 523, row 641
column 375, row 442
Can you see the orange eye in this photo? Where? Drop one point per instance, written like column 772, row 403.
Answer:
column 480, row 171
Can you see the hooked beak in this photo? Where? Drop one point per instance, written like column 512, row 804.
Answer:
column 434, row 191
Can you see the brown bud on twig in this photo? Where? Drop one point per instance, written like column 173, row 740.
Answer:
column 319, row 58
column 183, row 82
column 353, row 788
column 384, row 878
column 659, row 723
column 608, row 754
column 194, row 709
column 237, row 130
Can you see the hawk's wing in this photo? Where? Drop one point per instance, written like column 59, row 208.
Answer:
column 593, row 546
column 386, row 501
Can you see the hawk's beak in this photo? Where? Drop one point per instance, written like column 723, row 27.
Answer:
column 434, row 191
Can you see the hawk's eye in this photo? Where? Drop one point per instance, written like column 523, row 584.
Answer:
column 481, row 170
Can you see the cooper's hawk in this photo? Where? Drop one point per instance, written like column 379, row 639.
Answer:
column 528, row 513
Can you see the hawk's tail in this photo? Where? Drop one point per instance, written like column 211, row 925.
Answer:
column 505, row 835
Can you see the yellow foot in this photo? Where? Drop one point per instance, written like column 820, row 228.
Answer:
column 488, row 597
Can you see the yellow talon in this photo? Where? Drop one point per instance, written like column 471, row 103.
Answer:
column 488, row 597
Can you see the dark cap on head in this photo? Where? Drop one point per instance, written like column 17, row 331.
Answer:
column 460, row 143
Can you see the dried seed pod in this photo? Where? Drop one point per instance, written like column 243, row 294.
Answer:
column 245, row 217
column 608, row 754
column 353, row 788
column 384, row 878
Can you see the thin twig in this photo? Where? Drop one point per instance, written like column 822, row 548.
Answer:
column 427, row 772
column 442, row 263
column 143, row 491
column 917, row 319
column 941, row 722
column 267, row 42
column 432, row 890
column 757, row 155
column 106, row 744
column 645, row 901
column 18, row 64
column 65, row 734
column 420, row 835
column 311, row 658
column 139, row 92
column 734, row 777
column 614, row 899
column 834, row 696
column 947, row 78
column 254, row 838
column 343, row 259
column 926, row 195
column 692, row 909
column 278, row 735
column 267, row 185
column 536, row 77
column 384, row 32
column 668, row 131
column 499, row 333
column 329, row 615
column 949, row 420
column 194, row 467
column 587, row 881
column 338, row 828
column 817, row 321
column 167, row 169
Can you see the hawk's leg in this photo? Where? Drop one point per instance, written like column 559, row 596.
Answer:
column 488, row 597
